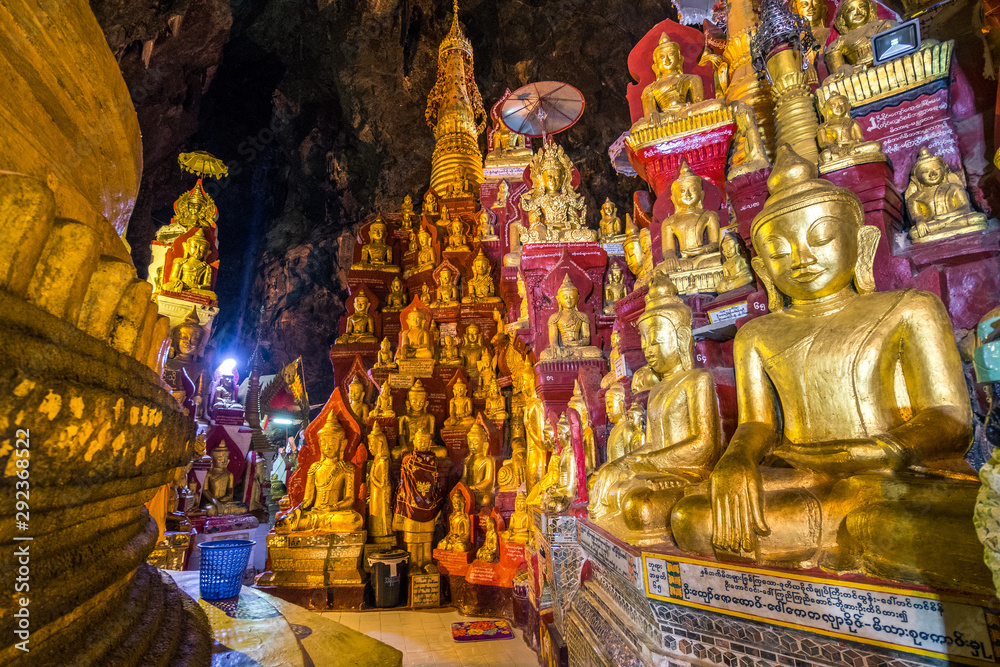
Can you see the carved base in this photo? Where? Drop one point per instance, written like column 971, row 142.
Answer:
column 472, row 599
column 452, row 562
column 313, row 561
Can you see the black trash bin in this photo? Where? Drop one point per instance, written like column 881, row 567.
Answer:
column 389, row 570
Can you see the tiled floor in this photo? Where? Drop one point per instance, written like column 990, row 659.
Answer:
column 425, row 639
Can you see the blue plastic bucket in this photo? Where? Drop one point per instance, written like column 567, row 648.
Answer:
column 222, row 567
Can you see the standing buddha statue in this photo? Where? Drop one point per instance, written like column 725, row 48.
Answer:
column 356, row 399
column 419, row 499
column 534, row 427
column 379, row 486
column 568, row 328
column 614, row 405
column 878, row 482
column 578, row 403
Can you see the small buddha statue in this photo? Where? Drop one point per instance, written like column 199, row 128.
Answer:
column 814, row 12
column 661, row 288
column 480, row 287
column 460, row 406
column 472, row 350
column 427, row 257
column 840, row 138
column 456, row 236
column 193, row 208
column 856, row 22
column 560, row 210
column 419, row 498
column 396, row 300
column 328, row 503
column 485, row 374
column 415, row 419
column 479, row 468
column 491, row 544
column 691, row 234
column 636, row 418
column 383, row 404
column 459, row 537
column 614, row 405
column 568, row 328
column 460, row 185
column 937, row 202
column 191, row 273
column 578, row 403
column 674, row 94
column 360, row 326
column 376, row 255
column 450, row 356
column 614, row 289
column 218, row 490
column 877, row 481
column 186, row 340
column 495, row 404
column 683, row 434
column 534, row 428
column 610, row 224
column 484, row 227
column 384, row 360
column 735, row 270
column 356, row 399
column 611, row 376
column 519, row 527
column 447, row 293
column 417, row 342
column 522, row 293
column 379, row 485
column 430, row 203
column 503, row 191
column 560, row 486
column 407, row 218
column 425, row 293
column 513, row 471
column 226, row 395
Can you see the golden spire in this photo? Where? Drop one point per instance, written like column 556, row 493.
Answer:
column 455, row 112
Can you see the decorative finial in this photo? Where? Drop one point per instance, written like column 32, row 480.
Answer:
column 780, row 26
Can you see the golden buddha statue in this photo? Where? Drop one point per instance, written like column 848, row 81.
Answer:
column 360, row 326
column 735, row 270
column 937, row 202
column 496, row 407
column 683, row 429
column 447, row 293
column 450, row 356
column 691, row 234
column 552, row 195
column 614, row 405
column 503, row 191
column 194, row 208
column 226, row 394
column 191, row 273
column 484, row 227
column 379, row 486
column 328, row 503
column 460, row 187
column 427, row 257
column 384, row 361
column 636, row 418
column 480, row 287
column 856, row 23
column 479, row 468
column 559, row 487
column 611, row 376
column 485, row 374
column 614, row 289
column 407, row 218
column 219, row 489
column 425, row 293
column 356, row 399
column 472, row 350
column 415, row 419
column 186, row 340
column 569, row 329
column 660, row 290
column 578, row 403
column 430, row 203
column 534, row 427
column 519, row 526
column 674, row 94
column 862, row 393
column 514, row 471
column 841, row 142
column 459, row 537
column 418, row 501
column 610, row 224
column 376, row 255
column 491, row 544
column 456, row 236
column 522, row 294
column 460, row 406
column 417, row 341
column 383, row 404
column 396, row 300
column 813, row 11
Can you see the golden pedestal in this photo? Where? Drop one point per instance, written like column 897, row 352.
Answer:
column 310, row 561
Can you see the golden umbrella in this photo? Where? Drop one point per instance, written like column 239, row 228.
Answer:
column 202, row 164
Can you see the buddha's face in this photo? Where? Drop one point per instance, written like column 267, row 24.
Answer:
column 616, row 339
column 422, row 441
column 729, row 246
column 331, row 443
column 196, row 248
column 659, row 344
column 188, row 340
column 616, row 274
column 425, row 239
column 361, row 304
column 477, row 438
column 520, row 503
column 408, row 204
column 472, row 334
column 417, row 400
column 633, row 255
column 568, row 297
column 445, row 276
column 356, row 392
column 635, row 415
column 385, row 345
column 837, row 106
column 480, row 266
column 688, row 192
column 460, row 389
column 376, row 232
column 504, row 189
column 614, row 403
column 563, row 432
column 397, row 285
column 645, row 242
column 449, row 342
column 809, row 253
column 811, row 10
column 856, row 13
column 415, row 320
column 220, row 458
column 552, row 177
column 931, row 172
column 458, row 503
column 528, row 381
column 667, row 60
column 608, row 209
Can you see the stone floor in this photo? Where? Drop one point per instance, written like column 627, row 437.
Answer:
column 425, row 639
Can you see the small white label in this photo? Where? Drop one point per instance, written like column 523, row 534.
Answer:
column 449, row 329
column 621, row 368
column 728, row 314
column 399, row 381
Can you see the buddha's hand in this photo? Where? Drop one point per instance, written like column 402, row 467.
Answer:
column 843, row 458
column 737, row 515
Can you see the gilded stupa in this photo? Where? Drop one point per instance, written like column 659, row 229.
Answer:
column 455, row 112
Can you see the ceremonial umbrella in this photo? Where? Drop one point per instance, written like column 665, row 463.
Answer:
column 541, row 109
column 201, row 164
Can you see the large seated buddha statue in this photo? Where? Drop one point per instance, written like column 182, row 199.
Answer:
column 556, row 211
column 856, row 23
column 691, row 234
column 192, row 272
column 859, row 395
column 674, row 94
column 416, row 341
column 683, row 438
column 328, row 503
column 376, row 255
column 360, row 326
column 569, row 329
column 841, row 141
